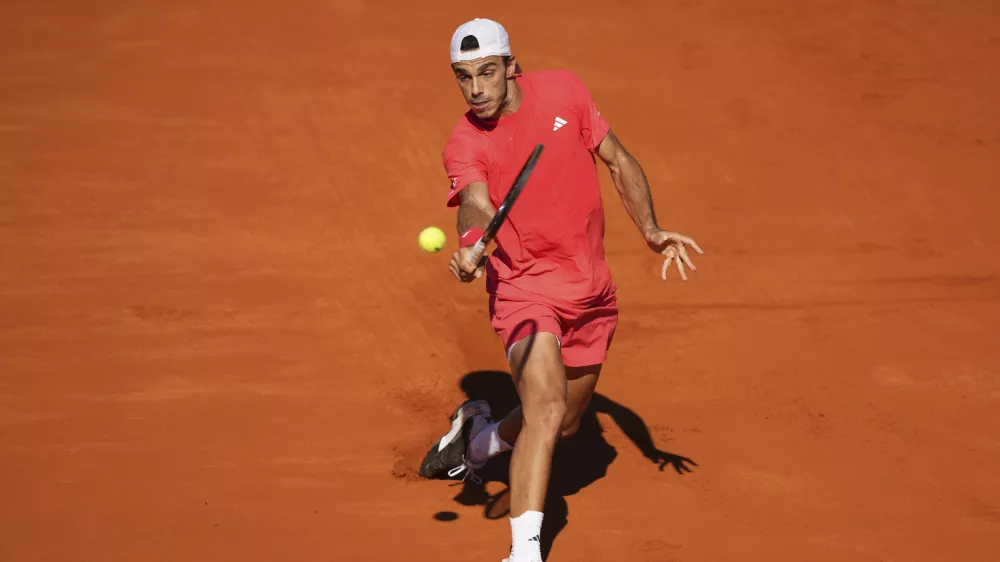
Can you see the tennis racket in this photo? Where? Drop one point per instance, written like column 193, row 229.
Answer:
column 505, row 206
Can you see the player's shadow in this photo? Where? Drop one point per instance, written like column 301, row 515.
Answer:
column 578, row 461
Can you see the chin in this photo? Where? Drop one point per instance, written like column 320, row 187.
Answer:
column 488, row 112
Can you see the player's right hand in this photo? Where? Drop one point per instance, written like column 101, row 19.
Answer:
column 462, row 266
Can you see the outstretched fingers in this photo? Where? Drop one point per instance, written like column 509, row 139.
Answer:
column 687, row 259
column 693, row 244
column 669, row 253
column 677, row 250
column 673, row 256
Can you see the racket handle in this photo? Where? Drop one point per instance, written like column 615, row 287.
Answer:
column 477, row 251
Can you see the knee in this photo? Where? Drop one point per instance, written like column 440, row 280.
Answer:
column 548, row 414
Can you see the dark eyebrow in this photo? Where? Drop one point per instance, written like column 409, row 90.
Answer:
column 485, row 66
column 480, row 70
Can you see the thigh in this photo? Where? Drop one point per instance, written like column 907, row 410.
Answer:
column 538, row 372
column 580, row 385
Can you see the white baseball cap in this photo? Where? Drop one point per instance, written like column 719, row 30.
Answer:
column 491, row 36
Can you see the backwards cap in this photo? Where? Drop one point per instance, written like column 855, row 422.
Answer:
column 490, row 36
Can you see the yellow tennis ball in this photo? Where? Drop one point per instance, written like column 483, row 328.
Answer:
column 432, row 239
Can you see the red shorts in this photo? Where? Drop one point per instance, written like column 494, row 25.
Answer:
column 584, row 332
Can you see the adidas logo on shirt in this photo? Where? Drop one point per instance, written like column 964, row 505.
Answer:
column 559, row 123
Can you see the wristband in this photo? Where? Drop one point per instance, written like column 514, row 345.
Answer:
column 470, row 237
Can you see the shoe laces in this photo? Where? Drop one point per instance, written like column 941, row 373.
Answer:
column 468, row 470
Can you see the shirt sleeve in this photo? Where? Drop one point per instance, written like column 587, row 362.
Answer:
column 463, row 163
column 593, row 126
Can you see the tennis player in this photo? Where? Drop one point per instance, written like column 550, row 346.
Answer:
column 551, row 294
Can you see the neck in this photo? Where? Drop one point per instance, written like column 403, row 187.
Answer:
column 511, row 102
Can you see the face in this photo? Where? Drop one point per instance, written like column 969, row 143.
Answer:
column 484, row 84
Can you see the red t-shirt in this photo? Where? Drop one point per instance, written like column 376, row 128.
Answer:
column 551, row 246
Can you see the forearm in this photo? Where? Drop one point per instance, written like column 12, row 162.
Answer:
column 474, row 214
column 471, row 215
column 630, row 180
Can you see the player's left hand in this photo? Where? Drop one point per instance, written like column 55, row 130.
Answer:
column 673, row 246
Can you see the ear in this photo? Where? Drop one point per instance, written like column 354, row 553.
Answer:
column 511, row 68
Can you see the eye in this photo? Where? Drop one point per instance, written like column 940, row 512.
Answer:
column 488, row 74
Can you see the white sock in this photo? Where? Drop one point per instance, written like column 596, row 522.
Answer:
column 526, row 534
column 487, row 444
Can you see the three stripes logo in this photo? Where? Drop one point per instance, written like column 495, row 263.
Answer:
column 559, row 123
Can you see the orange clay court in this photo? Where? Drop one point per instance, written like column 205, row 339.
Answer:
column 219, row 340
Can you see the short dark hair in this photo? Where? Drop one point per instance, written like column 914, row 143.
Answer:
column 469, row 43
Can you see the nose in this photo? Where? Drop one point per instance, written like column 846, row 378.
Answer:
column 477, row 87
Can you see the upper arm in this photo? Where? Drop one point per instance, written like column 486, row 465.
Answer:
column 611, row 152
column 463, row 162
